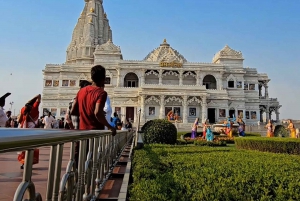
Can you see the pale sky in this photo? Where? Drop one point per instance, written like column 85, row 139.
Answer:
column 34, row 33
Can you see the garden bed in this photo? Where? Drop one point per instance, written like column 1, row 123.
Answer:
column 165, row 172
column 275, row 145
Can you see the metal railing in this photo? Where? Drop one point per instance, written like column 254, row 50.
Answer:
column 99, row 152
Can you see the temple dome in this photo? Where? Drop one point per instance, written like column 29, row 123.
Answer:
column 165, row 53
column 227, row 53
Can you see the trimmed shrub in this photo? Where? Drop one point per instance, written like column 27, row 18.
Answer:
column 184, row 142
column 181, row 173
column 160, row 131
column 216, row 143
column 281, row 131
column 275, row 145
column 146, row 125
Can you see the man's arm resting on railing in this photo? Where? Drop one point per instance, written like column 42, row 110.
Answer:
column 99, row 113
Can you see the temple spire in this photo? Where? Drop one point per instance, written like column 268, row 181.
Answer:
column 92, row 29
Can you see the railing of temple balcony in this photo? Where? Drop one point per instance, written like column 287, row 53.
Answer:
column 94, row 166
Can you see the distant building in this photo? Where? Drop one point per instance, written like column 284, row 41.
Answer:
column 163, row 81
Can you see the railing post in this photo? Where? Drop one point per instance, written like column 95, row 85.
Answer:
column 51, row 172
column 27, row 184
column 95, row 165
column 57, row 172
column 82, row 156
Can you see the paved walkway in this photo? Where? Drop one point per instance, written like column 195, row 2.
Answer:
column 11, row 174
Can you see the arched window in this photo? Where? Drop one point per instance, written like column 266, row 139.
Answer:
column 210, row 82
column 131, row 80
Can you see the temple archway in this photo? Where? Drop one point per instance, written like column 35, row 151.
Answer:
column 210, row 82
column 131, row 80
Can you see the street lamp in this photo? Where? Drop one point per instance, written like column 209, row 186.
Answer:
column 11, row 104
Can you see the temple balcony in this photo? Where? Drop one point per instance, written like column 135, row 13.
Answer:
column 268, row 101
column 177, row 87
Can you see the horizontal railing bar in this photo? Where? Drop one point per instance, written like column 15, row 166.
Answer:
column 24, row 139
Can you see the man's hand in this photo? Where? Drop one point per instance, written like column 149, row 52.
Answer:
column 113, row 131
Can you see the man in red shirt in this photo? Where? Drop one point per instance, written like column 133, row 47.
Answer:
column 90, row 101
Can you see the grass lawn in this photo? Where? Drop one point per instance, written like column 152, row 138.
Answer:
column 165, row 172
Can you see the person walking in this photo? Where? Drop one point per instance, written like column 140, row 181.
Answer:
column 48, row 121
column 30, row 113
column 115, row 120
column 3, row 116
column 90, row 101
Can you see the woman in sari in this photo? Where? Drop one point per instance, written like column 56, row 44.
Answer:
column 292, row 129
column 30, row 113
column 194, row 129
column 204, row 128
column 28, row 118
column 270, row 129
column 241, row 127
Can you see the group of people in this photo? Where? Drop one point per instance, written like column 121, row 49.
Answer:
column 89, row 110
column 228, row 123
column 294, row 132
column 173, row 117
column 205, row 127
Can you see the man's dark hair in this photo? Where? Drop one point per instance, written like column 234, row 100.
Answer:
column 98, row 73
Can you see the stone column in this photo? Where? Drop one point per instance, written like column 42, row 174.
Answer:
column 267, row 114
column 123, row 114
column 266, row 91
column 259, row 89
column 160, row 77
column 270, row 114
column 184, row 113
column 162, row 107
column 198, row 78
column 277, row 115
column 180, row 78
column 142, row 83
column 142, row 78
column 119, row 81
column 204, row 109
column 261, row 115
column 142, row 108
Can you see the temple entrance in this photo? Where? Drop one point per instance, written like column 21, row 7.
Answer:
column 231, row 112
column 211, row 115
column 130, row 114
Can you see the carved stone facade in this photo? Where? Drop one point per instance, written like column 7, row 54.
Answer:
column 162, row 82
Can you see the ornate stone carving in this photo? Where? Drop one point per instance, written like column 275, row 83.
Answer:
column 108, row 46
column 152, row 98
column 152, row 72
column 227, row 53
column 165, row 53
column 231, row 78
column 194, row 99
column 174, row 73
column 189, row 73
column 82, row 76
column 173, row 98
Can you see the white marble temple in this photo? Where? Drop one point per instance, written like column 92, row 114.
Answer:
column 163, row 81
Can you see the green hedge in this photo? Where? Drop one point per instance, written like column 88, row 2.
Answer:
column 281, row 131
column 160, row 131
column 275, row 145
column 181, row 173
